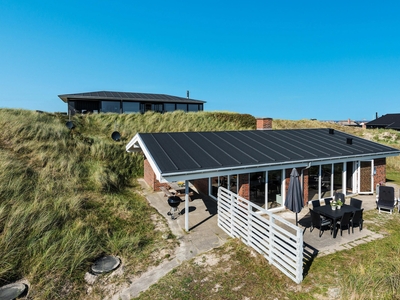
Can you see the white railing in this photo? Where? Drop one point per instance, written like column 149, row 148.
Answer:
column 278, row 240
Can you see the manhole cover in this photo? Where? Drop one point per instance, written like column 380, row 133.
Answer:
column 105, row 264
column 11, row 291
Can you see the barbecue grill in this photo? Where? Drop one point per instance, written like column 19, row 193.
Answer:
column 174, row 202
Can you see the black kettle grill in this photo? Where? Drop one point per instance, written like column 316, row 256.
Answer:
column 174, row 202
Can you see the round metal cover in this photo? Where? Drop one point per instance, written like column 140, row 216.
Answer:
column 69, row 124
column 105, row 264
column 11, row 291
column 116, row 136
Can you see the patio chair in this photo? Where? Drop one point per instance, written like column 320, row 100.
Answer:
column 355, row 203
column 344, row 222
column 321, row 224
column 315, row 203
column 386, row 200
column 341, row 197
column 357, row 219
column 328, row 200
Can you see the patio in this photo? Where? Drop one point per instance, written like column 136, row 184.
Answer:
column 326, row 244
column 205, row 234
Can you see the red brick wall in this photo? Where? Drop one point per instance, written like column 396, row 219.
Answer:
column 264, row 123
column 305, row 185
column 380, row 175
column 150, row 177
column 201, row 185
column 365, row 176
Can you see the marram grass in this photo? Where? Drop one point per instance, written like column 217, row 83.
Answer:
column 68, row 197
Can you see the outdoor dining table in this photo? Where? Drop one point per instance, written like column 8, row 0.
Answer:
column 334, row 215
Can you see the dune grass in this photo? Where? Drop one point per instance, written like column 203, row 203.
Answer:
column 69, row 196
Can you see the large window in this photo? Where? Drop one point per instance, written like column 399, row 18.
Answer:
column 257, row 188
column 110, row 106
column 181, row 107
column 169, row 107
column 326, row 181
column 216, row 182
column 274, row 189
column 313, row 183
column 337, row 178
column 130, row 107
column 193, row 107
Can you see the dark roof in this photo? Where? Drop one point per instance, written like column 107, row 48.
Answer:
column 389, row 121
column 184, row 152
column 105, row 95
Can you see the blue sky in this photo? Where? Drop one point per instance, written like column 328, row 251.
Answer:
column 329, row 60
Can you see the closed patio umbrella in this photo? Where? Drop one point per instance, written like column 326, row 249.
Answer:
column 294, row 198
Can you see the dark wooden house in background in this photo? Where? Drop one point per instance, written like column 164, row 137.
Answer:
column 123, row 102
column 388, row 121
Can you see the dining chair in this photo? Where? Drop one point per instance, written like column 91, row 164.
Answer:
column 357, row 219
column 341, row 197
column 344, row 222
column 321, row 224
column 328, row 200
column 355, row 203
column 316, row 203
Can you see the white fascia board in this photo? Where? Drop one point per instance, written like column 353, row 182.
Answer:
column 135, row 145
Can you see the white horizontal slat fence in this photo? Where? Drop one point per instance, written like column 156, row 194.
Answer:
column 264, row 231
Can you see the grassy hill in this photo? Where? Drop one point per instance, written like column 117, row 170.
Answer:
column 68, row 197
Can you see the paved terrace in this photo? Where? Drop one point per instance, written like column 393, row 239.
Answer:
column 204, row 235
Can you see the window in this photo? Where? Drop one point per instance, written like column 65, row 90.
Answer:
column 169, row 107
column 110, row 106
column 158, row 107
column 193, row 107
column 148, row 107
column 130, row 107
column 181, row 107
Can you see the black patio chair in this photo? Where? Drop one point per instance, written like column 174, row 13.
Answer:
column 318, row 222
column 344, row 222
column 315, row 203
column 341, row 197
column 357, row 219
column 355, row 203
column 328, row 200
column 386, row 199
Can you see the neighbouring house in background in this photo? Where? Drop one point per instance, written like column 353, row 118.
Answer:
column 121, row 102
column 388, row 121
column 256, row 164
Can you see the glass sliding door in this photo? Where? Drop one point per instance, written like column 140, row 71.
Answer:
column 216, row 182
column 233, row 184
column 257, row 188
column 338, row 178
column 326, row 181
column 313, row 183
column 351, row 178
column 274, row 191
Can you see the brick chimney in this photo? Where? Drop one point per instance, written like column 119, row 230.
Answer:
column 264, row 123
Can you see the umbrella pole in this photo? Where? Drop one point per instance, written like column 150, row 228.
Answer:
column 296, row 220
